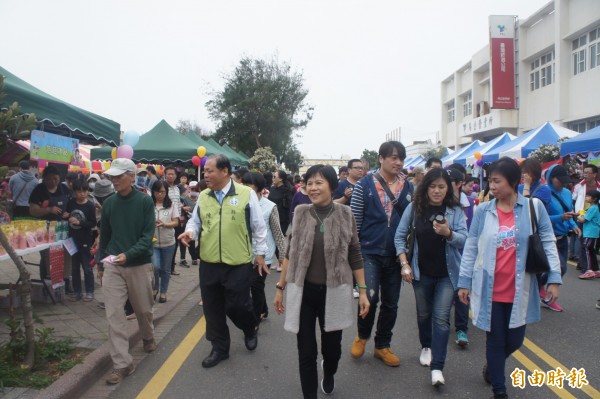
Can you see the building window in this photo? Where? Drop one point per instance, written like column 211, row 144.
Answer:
column 595, row 48
column 542, row 70
column 450, row 110
column 467, row 104
column 584, row 125
column 579, row 54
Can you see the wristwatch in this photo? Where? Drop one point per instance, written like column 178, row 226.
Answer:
column 279, row 287
column 404, row 263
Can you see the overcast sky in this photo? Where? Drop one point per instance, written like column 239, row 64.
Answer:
column 370, row 66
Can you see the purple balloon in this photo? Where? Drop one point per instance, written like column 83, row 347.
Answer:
column 411, row 167
column 476, row 187
column 479, row 162
column 202, row 161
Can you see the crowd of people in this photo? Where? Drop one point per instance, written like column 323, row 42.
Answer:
column 334, row 238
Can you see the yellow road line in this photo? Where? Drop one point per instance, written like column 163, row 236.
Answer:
column 531, row 366
column 588, row 389
column 155, row 387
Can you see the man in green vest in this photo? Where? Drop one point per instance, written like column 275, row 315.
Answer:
column 227, row 217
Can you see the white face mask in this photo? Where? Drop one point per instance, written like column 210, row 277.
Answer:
column 92, row 185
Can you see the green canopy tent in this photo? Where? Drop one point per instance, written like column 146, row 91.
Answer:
column 233, row 156
column 211, row 149
column 159, row 145
column 58, row 117
column 245, row 157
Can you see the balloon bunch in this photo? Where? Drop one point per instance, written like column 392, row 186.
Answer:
column 130, row 139
column 200, row 159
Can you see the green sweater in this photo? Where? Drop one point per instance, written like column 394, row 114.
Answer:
column 127, row 226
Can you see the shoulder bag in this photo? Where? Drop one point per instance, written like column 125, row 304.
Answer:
column 410, row 237
column 537, row 261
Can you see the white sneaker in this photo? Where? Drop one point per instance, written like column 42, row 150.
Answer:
column 425, row 357
column 355, row 293
column 437, row 378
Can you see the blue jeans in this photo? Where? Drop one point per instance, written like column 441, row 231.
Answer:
column 81, row 260
column 461, row 314
column 562, row 246
column 381, row 272
column 434, row 297
column 161, row 259
column 501, row 342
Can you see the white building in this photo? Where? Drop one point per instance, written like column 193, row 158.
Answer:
column 557, row 53
column 419, row 148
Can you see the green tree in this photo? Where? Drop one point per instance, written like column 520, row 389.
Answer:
column 371, row 156
column 263, row 103
column 14, row 125
column 292, row 158
column 438, row 152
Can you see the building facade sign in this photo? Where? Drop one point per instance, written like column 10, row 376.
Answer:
column 502, row 61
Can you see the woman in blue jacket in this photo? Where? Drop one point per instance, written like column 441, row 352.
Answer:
column 493, row 279
column 440, row 227
column 562, row 217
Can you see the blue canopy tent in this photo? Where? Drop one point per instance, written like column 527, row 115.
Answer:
column 414, row 161
column 522, row 146
column 468, row 156
column 582, row 144
column 449, row 159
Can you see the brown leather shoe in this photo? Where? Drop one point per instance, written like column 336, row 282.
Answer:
column 358, row 347
column 149, row 345
column 117, row 375
column 387, row 356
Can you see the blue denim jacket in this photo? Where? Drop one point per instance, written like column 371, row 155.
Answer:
column 479, row 263
column 457, row 222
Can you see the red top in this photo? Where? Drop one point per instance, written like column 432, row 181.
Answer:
column 506, row 259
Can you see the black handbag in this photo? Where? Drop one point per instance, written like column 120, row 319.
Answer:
column 537, row 261
column 410, row 237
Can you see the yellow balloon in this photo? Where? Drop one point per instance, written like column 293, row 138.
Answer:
column 201, row 151
column 113, row 153
column 477, row 155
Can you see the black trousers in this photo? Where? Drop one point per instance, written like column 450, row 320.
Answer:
column 226, row 292
column 178, row 231
column 313, row 308
column 257, row 289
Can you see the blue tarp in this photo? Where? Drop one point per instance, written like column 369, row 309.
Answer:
column 449, row 159
column 522, row 146
column 489, row 146
column 582, row 144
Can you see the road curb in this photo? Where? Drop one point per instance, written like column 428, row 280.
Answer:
column 77, row 380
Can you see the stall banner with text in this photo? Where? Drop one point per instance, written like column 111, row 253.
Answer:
column 52, row 147
column 57, row 265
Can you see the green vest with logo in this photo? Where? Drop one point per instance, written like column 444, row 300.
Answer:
column 225, row 236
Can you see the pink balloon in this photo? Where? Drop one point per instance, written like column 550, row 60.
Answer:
column 125, row 151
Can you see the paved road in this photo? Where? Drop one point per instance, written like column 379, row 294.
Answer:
column 569, row 339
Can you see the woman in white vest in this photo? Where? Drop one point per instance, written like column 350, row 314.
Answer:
column 275, row 239
column 323, row 254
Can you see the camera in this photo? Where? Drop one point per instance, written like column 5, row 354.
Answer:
column 438, row 217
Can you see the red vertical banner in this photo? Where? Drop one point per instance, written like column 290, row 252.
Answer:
column 57, row 265
column 502, row 61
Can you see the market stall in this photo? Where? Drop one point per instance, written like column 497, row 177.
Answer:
column 449, row 159
column 584, row 143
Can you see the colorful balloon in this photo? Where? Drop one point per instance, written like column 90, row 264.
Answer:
column 203, row 161
column 201, row 151
column 125, row 151
column 479, row 162
column 477, row 155
column 131, row 138
column 113, row 153
column 196, row 160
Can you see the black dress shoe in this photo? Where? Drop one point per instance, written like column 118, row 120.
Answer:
column 500, row 395
column 486, row 375
column 213, row 359
column 251, row 340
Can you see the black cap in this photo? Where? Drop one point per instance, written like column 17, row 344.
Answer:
column 560, row 173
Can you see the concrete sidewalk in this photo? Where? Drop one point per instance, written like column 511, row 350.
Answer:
column 85, row 323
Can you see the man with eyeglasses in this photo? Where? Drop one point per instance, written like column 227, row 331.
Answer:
column 343, row 193
column 126, row 235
